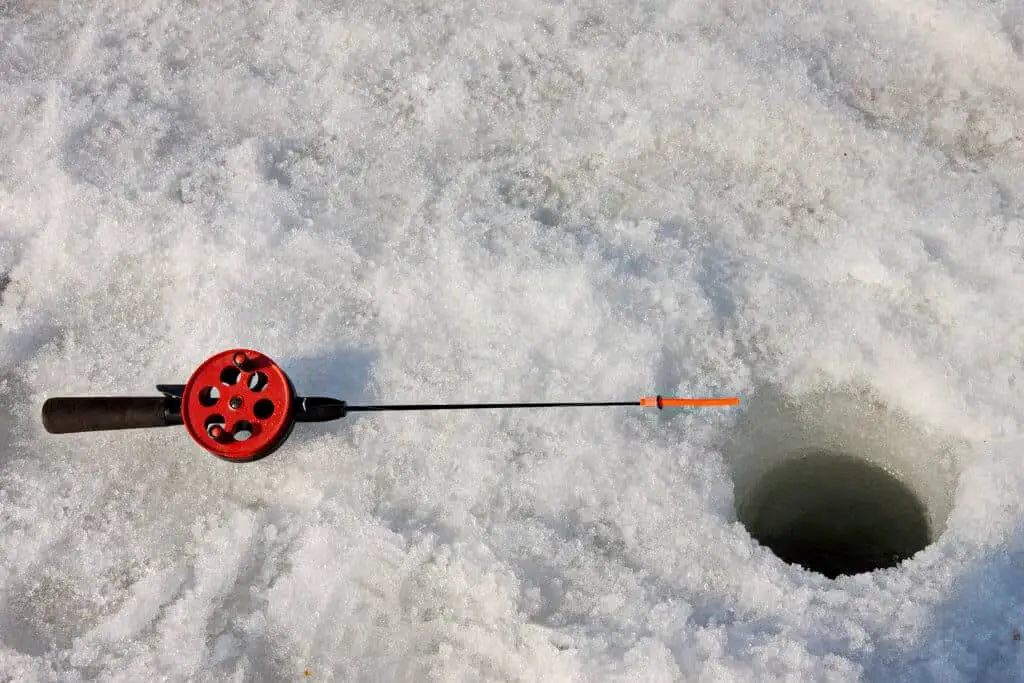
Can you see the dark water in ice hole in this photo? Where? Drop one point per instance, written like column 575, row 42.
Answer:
column 835, row 514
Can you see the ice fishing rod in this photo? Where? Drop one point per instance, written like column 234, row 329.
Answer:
column 241, row 406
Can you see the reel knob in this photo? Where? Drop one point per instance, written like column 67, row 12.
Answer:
column 239, row 405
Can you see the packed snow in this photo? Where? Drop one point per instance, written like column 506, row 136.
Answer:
column 817, row 208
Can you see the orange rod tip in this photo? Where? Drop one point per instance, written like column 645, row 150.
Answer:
column 681, row 402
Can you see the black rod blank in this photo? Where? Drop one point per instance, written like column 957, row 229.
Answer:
column 486, row 406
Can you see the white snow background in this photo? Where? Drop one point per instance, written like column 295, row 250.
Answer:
column 810, row 205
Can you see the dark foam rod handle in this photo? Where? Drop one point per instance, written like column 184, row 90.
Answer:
column 65, row 415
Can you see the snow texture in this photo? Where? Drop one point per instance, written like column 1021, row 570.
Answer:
column 817, row 207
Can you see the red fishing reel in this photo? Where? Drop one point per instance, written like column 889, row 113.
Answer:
column 239, row 405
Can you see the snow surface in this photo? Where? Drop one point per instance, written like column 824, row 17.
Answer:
column 819, row 208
